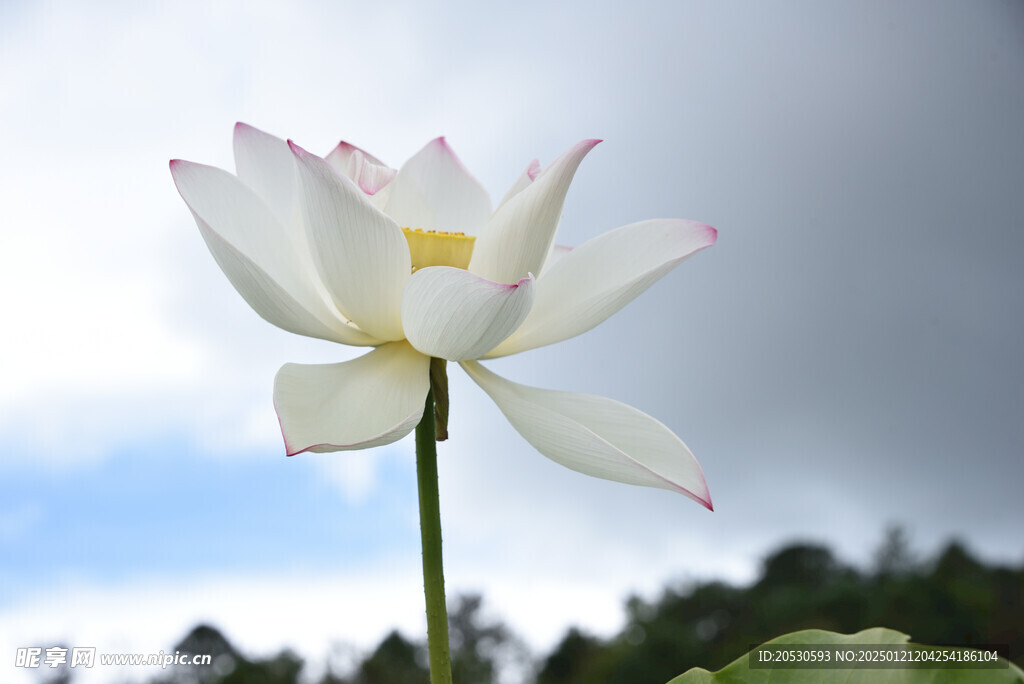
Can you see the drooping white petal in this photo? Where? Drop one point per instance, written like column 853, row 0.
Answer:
column 434, row 191
column 265, row 164
column 373, row 400
column 528, row 176
column 518, row 237
column 593, row 281
column 596, row 436
column 453, row 314
column 361, row 167
column 360, row 253
column 258, row 255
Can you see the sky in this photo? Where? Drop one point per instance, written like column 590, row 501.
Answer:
column 847, row 356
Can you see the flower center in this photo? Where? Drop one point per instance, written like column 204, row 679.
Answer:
column 437, row 248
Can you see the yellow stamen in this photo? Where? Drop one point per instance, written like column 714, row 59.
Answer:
column 438, row 248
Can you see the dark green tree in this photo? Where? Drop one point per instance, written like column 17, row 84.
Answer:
column 478, row 647
column 228, row 665
column 954, row 600
column 476, row 644
column 395, row 661
column 571, row 658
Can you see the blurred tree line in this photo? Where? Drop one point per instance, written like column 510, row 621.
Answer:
column 951, row 599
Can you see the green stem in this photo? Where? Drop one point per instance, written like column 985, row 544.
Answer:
column 430, row 532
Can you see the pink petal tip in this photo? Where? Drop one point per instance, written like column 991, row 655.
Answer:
column 585, row 145
column 296, row 149
column 533, row 170
column 529, row 276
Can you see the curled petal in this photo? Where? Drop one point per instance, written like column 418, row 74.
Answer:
column 360, row 253
column 373, row 400
column 258, row 255
column 340, row 155
column 453, row 314
column 434, row 191
column 591, row 282
column 372, row 177
column 362, row 168
column 528, row 176
column 518, row 238
column 596, row 436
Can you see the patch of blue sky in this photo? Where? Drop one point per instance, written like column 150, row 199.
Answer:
column 170, row 509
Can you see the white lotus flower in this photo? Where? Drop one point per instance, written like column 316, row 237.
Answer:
column 415, row 264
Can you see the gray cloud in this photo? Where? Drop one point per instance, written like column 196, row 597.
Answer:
column 847, row 355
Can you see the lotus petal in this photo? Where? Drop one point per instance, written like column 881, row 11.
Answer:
column 519, row 236
column 453, row 314
column 362, row 168
column 528, row 176
column 588, row 284
column 373, row 400
column 258, row 256
column 265, row 164
column 434, row 191
column 596, row 436
column 360, row 253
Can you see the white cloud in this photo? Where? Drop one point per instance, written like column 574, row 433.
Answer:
column 311, row 613
column 353, row 473
column 117, row 307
